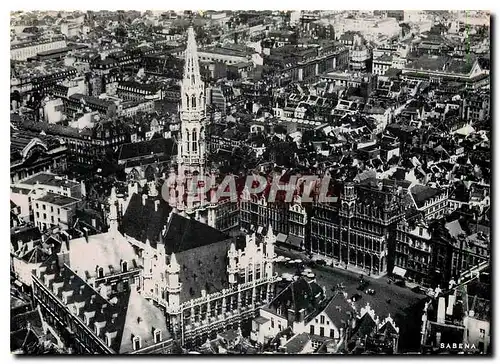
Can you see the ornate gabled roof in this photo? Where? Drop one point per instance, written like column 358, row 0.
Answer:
column 388, row 326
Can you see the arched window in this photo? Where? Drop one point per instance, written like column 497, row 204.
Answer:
column 195, row 142
column 187, row 101
column 193, row 101
column 192, row 80
column 100, row 272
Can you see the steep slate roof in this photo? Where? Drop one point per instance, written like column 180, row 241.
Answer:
column 118, row 313
column 185, row 234
column 24, row 235
column 22, row 338
column 365, row 326
column 22, row 320
column 142, row 222
column 422, row 193
column 36, row 255
column 141, row 319
column 297, row 343
column 158, row 146
column 104, row 250
column 298, row 295
column 203, row 268
column 338, row 309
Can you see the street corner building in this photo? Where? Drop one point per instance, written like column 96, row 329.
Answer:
column 250, row 182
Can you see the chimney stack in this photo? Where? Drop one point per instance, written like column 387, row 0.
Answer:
column 144, row 198
column 86, row 233
column 157, row 203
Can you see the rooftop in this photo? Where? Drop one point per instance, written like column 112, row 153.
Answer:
column 58, row 200
column 50, row 179
column 422, row 193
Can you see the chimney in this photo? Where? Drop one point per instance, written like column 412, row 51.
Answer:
column 94, row 223
column 66, row 237
column 144, row 198
column 86, row 233
column 157, row 203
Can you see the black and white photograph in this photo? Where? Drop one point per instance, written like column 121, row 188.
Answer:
column 250, row 182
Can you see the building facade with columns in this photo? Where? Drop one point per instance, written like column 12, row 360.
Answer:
column 360, row 230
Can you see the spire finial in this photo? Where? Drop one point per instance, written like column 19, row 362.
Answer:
column 174, row 266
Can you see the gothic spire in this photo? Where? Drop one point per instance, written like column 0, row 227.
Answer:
column 191, row 67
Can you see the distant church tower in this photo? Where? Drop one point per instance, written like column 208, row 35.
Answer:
column 191, row 155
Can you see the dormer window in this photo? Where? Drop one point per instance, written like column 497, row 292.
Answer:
column 136, row 341
column 100, row 272
column 157, row 335
column 124, row 266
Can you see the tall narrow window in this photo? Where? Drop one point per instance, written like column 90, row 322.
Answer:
column 195, row 142
column 188, row 137
column 157, row 336
column 187, row 101
column 193, row 101
column 137, row 343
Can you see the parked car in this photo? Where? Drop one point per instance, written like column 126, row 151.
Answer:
column 400, row 283
column 419, row 290
column 362, row 285
column 356, row 297
column 320, row 262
